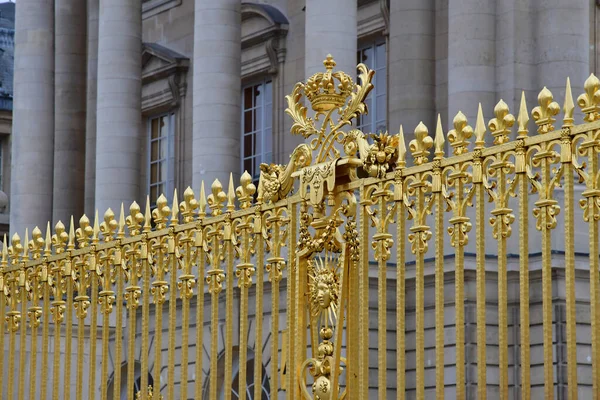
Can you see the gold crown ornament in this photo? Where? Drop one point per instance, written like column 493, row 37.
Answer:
column 328, row 90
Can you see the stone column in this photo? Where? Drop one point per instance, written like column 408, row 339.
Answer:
column 563, row 46
column 216, row 91
column 412, row 65
column 33, row 116
column 90, row 129
column 331, row 28
column 70, row 109
column 471, row 58
column 118, row 126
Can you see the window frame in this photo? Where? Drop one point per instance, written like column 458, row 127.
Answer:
column 169, row 161
column 263, row 136
column 376, row 92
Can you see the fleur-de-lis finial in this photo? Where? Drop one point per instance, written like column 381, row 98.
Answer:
column 569, row 106
column 523, row 118
column 439, row 140
column 84, row 232
column 479, row 129
column 401, row 162
column 245, row 191
column 36, row 244
column 217, row 198
column 15, row 249
column 460, row 135
column 135, row 219
column 161, row 213
column 109, row 225
column 188, row 205
column 590, row 100
column 60, row 237
column 420, row 145
column 543, row 115
column 500, row 126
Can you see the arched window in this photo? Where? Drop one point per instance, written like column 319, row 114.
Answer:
column 250, row 384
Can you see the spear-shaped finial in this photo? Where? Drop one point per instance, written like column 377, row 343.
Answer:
column 439, row 140
column 202, row 203
column 121, row 230
column 479, row 129
column 569, row 106
column 175, row 210
column 523, row 118
column 231, row 195
column 71, row 243
column 48, row 241
column 147, row 216
column 26, row 247
column 96, row 234
column 4, row 252
column 401, row 163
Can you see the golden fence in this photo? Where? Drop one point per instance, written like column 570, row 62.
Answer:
column 346, row 211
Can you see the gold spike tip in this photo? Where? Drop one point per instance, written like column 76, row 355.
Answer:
column 26, row 248
column 202, row 203
column 96, row 231
column 479, row 129
column 4, row 250
column 122, row 219
column 231, row 195
column 175, row 209
column 47, row 248
column 72, row 234
column 401, row 163
column 420, row 145
column 523, row 118
column 147, row 216
column 439, row 140
column 568, row 106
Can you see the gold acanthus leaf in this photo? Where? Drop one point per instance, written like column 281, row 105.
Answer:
column 303, row 125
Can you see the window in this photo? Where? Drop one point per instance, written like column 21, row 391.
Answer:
column 161, row 163
column 374, row 56
column 257, row 133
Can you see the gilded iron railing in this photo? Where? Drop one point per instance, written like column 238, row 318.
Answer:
column 190, row 295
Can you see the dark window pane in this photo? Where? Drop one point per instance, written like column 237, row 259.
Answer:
column 247, row 97
column 248, row 145
column 154, row 150
column 248, row 165
column 248, row 122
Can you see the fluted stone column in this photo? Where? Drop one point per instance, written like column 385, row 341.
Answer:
column 70, row 109
column 412, row 64
column 119, row 103
column 33, row 116
column 563, row 45
column 216, row 91
column 471, row 58
column 92, row 81
column 331, row 28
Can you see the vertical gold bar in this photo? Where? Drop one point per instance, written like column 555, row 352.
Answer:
column 81, row 304
column 229, row 316
column 119, row 326
column 244, row 282
column 2, row 325
column 419, row 248
column 186, row 291
column 260, row 275
column 68, row 330
column 439, row 298
column 591, row 214
column 214, row 279
column 501, row 235
column 13, row 320
column 400, row 294
column 524, row 283
column 570, row 280
column 132, row 296
column 381, row 302
column 45, row 333
column 292, row 321
column 363, row 271
column 145, row 315
column 93, row 326
column 480, row 283
column 106, row 304
column 201, row 261
column 547, row 288
column 23, row 334
column 34, row 322
column 58, row 307
column 159, row 288
column 172, row 318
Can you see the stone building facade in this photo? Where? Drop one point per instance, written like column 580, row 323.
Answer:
column 119, row 99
